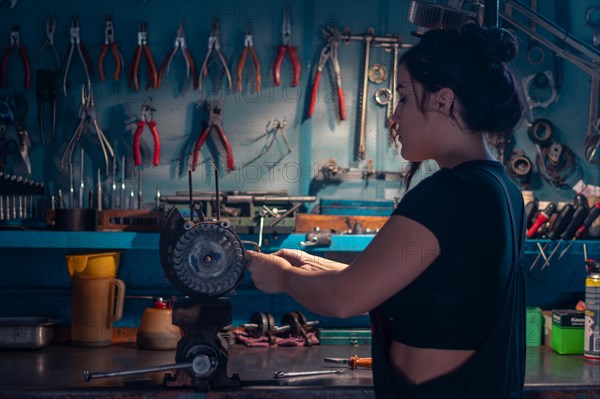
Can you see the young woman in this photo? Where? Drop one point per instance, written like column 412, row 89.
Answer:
column 442, row 279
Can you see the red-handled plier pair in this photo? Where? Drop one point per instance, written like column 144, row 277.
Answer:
column 146, row 118
column 329, row 52
column 15, row 42
column 286, row 31
column 215, row 120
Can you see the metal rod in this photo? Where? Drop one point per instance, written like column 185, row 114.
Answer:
column 236, row 199
column 81, row 184
column 218, row 197
column 362, row 145
column 490, row 13
column 87, row 376
column 191, row 199
column 283, row 215
column 140, row 194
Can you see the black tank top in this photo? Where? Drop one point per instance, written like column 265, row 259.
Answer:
column 477, row 215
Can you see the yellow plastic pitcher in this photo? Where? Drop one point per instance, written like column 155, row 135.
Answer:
column 102, row 264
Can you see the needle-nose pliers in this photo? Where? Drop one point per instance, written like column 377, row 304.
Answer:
column 109, row 42
column 215, row 120
column 189, row 61
column 46, row 82
column 286, row 31
column 329, row 52
column 214, row 43
column 146, row 118
column 15, row 42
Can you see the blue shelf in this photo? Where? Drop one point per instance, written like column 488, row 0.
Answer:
column 149, row 241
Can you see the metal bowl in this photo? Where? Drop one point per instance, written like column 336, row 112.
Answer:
column 26, row 332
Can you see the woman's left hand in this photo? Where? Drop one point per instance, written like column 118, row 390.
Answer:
column 267, row 271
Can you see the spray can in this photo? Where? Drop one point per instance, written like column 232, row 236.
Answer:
column 591, row 344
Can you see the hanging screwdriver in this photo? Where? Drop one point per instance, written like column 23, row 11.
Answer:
column 542, row 218
column 578, row 218
column 560, row 224
column 591, row 217
column 352, row 361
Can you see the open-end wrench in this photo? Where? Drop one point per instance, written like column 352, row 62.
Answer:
column 288, row 374
column 362, row 144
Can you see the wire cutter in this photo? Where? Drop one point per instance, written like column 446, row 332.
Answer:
column 109, row 41
column 46, row 84
column 15, row 42
column 151, row 66
column 49, row 42
column 214, row 43
column 329, row 53
column 215, row 120
column 285, row 46
column 248, row 44
column 189, row 61
column 146, row 118
column 87, row 121
column 84, row 55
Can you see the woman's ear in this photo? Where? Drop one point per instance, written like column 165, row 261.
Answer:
column 444, row 100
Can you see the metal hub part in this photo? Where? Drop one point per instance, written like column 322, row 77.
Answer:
column 207, row 260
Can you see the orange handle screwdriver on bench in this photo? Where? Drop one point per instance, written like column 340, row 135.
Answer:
column 353, row 361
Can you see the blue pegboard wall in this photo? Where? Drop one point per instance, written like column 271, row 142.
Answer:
column 180, row 117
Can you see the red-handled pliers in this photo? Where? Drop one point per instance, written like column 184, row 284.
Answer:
column 329, row 52
column 215, row 120
column 286, row 31
column 109, row 41
column 142, row 46
column 15, row 42
column 146, row 118
column 248, row 45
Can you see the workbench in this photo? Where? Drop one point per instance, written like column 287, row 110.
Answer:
column 57, row 372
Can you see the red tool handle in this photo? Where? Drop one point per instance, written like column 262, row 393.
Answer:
column 154, row 131
column 198, row 146
column 165, row 62
column 115, row 51
column 313, row 96
column 100, row 61
column 277, row 65
column 590, row 218
column 188, row 55
column 342, row 103
column 293, row 51
column 225, row 141
column 136, row 143
column 240, row 69
column 153, row 75
column 257, row 67
column 134, row 68
column 9, row 50
column 25, row 66
column 541, row 219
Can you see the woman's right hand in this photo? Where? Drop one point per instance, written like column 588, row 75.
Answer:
column 296, row 257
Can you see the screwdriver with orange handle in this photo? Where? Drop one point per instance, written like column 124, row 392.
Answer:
column 353, row 361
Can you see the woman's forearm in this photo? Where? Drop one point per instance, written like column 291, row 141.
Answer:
column 316, row 263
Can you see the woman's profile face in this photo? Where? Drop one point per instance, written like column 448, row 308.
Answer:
column 408, row 123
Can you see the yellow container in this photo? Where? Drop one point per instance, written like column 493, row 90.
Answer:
column 102, row 264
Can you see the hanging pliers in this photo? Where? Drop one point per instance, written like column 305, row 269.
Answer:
column 46, row 82
column 214, row 43
column 189, row 61
column 329, row 52
column 248, row 45
column 87, row 121
column 215, row 120
column 84, row 56
column 15, row 42
column 133, row 69
column 286, row 31
column 109, row 41
column 146, row 118
column 49, row 42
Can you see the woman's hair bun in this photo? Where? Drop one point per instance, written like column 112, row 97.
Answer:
column 498, row 44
